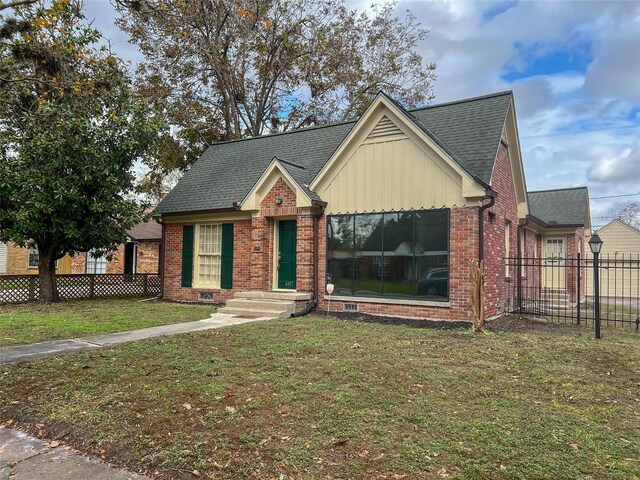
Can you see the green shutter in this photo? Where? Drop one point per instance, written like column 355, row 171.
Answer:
column 226, row 267
column 187, row 255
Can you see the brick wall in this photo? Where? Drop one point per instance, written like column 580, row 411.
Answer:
column 79, row 263
column 463, row 247
column 575, row 243
column 242, row 264
column 497, row 286
column 304, row 257
column 18, row 261
column 147, row 259
column 268, row 206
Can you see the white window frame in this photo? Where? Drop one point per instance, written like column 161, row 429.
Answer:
column 213, row 250
column 95, row 261
column 35, row 247
column 559, row 260
column 507, row 248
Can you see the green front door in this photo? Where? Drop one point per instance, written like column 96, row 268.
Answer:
column 287, row 254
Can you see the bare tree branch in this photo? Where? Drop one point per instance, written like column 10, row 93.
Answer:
column 15, row 3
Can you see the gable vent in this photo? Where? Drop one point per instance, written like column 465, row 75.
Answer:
column 350, row 307
column 384, row 128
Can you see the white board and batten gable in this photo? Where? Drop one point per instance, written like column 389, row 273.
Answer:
column 387, row 163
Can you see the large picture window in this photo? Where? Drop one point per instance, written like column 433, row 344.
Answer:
column 209, row 243
column 394, row 255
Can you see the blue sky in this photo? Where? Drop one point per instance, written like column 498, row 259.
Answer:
column 574, row 68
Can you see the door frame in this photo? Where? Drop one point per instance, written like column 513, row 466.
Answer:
column 276, row 251
column 134, row 255
column 559, row 267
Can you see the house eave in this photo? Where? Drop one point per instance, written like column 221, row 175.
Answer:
column 544, row 224
column 234, row 208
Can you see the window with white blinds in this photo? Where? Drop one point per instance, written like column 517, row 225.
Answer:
column 209, row 243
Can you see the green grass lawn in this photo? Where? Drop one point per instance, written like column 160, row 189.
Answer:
column 316, row 398
column 34, row 322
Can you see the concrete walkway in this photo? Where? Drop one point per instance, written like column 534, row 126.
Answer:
column 23, row 457
column 21, row 353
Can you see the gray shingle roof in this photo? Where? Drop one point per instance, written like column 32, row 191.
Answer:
column 149, row 230
column 472, row 129
column 469, row 130
column 566, row 206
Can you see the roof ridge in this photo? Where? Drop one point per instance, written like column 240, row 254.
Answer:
column 464, row 100
column 558, row 189
column 290, row 163
column 625, row 224
column 296, row 130
column 346, row 122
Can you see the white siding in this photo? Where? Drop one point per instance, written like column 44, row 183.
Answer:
column 619, row 261
column 3, row 258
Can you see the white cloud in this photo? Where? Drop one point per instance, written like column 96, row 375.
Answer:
column 472, row 55
column 621, row 166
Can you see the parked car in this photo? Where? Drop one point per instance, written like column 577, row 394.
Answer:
column 434, row 282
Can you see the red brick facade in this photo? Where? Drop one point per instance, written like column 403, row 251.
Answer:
column 242, row 264
column 254, row 254
column 496, row 218
column 147, row 259
column 463, row 247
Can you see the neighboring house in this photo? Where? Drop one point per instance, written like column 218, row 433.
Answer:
column 390, row 209
column 619, row 260
column 16, row 260
column 620, row 239
column 140, row 254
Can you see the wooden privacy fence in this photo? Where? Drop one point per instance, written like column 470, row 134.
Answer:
column 24, row 288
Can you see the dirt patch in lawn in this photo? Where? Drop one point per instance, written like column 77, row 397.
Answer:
column 409, row 322
column 507, row 323
column 528, row 324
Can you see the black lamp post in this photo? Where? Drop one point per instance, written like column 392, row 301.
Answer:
column 595, row 244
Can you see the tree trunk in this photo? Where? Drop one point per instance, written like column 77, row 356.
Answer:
column 47, row 276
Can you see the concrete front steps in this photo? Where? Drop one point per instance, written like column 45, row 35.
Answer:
column 263, row 304
column 557, row 299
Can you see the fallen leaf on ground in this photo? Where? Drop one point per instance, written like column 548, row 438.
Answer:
column 187, row 406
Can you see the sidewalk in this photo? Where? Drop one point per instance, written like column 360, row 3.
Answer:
column 19, row 353
column 23, row 457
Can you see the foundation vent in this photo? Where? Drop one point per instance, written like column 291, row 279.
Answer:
column 205, row 296
column 350, row 307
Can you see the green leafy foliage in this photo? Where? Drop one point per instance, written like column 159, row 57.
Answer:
column 71, row 128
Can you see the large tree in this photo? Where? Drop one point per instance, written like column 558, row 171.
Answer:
column 225, row 69
column 71, row 128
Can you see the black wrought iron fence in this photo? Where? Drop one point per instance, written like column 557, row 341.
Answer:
column 562, row 289
column 24, row 288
